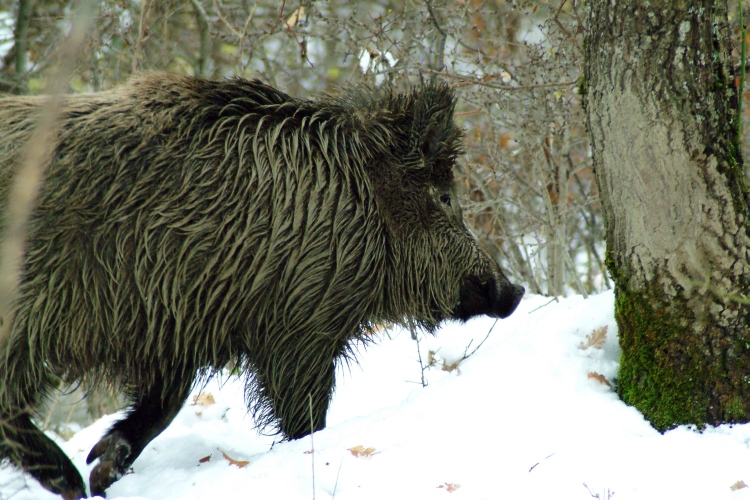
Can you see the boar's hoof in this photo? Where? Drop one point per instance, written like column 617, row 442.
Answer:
column 67, row 488
column 72, row 495
column 113, row 451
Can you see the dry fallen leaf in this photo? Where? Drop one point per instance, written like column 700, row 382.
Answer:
column 600, row 378
column 450, row 487
column 204, row 399
column 292, row 20
column 238, row 463
column 505, row 138
column 738, row 486
column 204, row 459
column 431, row 358
column 596, row 339
column 379, row 327
column 451, row 367
column 361, row 451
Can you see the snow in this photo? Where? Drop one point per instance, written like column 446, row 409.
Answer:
column 519, row 419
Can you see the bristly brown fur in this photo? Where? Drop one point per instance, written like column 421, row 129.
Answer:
column 187, row 223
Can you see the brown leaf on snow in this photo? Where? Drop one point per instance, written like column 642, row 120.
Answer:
column 204, row 459
column 596, row 339
column 431, row 359
column 738, row 486
column 204, row 399
column 450, row 487
column 600, row 378
column 238, row 463
column 451, row 367
column 361, row 451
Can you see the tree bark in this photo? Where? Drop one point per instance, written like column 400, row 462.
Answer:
column 660, row 101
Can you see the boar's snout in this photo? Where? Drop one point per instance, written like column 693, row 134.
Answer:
column 485, row 295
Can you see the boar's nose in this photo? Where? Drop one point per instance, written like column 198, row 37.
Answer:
column 510, row 297
column 485, row 295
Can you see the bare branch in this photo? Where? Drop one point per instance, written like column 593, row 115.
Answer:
column 227, row 23
column 435, row 22
column 145, row 11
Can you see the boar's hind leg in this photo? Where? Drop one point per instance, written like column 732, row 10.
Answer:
column 149, row 415
column 41, row 457
column 22, row 386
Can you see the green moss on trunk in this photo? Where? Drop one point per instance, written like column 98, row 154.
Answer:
column 652, row 335
column 671, row 374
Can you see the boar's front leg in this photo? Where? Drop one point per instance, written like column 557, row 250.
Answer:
column 150, row 414
column 299, row 386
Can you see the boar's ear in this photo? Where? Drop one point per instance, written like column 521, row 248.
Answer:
column 414, row 129
column 413, row 144
column 431, row 134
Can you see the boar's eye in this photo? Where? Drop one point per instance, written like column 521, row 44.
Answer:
column 445, row 199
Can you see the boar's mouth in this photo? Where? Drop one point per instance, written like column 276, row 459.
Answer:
column 483, row 295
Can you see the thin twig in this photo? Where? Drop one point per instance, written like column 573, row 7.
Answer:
column 239, row 35
column 485, row 81
column 581, row 27
column 312, row 443
column 573, row 270
column 439, row 63
column 480, row 344
column 554, row 299
column 240, row 59
column 302, row 44
column 139, row 41
column 435, row 23
column 336, row 484
column 279, row 18
column 469, row 113
column 557, row 21
column 415, row 336
column 224, row 20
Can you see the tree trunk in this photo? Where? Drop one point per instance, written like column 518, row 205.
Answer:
column 660, row 100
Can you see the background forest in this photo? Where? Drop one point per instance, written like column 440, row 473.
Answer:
column 526, row 172
column 526, row 176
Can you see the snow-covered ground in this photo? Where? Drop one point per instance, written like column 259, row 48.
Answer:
column 529, row 415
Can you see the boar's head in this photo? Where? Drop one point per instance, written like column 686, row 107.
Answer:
column 436, row 268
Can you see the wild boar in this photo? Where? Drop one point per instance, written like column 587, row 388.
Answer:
column 184, row 224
